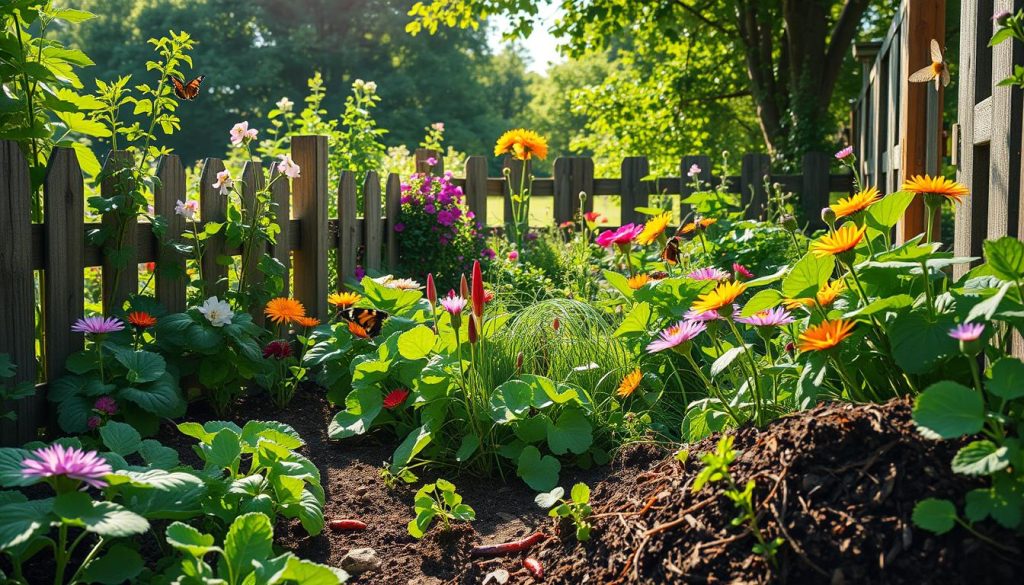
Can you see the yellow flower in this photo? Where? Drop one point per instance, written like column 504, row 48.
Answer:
column 857, row 202
column 654, row 228
column 638, row 281
column 630, row 383
column 792, row 304
column 703, row 224
column 284, row 310
column 307, row 321
column 343, row 300
column 825, row 335
column 830, row 291
column 941, row 186
column 522, row 144
column 844, row 239
column 722, row 296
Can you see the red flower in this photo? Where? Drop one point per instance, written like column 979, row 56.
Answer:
column 395, row 398
column 472, row 328
column 488, row 296
column 478, row 291
column 431, row 291
column 277, row 349
column 150, row 266
column 141, row 319
column 741, row 270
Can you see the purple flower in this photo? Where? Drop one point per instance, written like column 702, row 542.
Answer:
column 770, row 318
column 692, row 315
column 106, row 404
column 488, row 253
column 1001, row 17
column 444, row 217
column 406, row 199
column 93, row 423
column 470, row 215
column 675, row 335
column 71, row 462
column 399, row 227
column 530, row 236
column 97, row 325
column 431, row 161
column 429, row 208
column 842, row 154
column 360, row 272
column 710, row 273
column 453, row 303
column 967, row 331
column 694, row 171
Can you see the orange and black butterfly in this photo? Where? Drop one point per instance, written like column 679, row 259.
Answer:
column 186, row 91
column 364, row 323
column 671, row 252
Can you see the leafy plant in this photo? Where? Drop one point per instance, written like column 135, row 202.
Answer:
column 575, row 508
column 438, row 500
column 9, row 391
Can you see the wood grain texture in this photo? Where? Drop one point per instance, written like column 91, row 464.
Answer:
column 170, row 282
column 1005, row 148
column 753, row 170
column 348, row 238
column 17, row 327
column 309, row 197
column 634, row 190
column 475, row 188
column 393, row 212
column 213, row 208
column 253, row 181
column 373, row 239
column 281, row 249
column 573, row 176
column 420, row 157
column 121, row 273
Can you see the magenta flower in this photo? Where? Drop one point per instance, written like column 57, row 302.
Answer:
column 488, row 253
column 359, row 272
column 967, row 331
column 844, row 153
column 675, row 335
column 741, row 270
column 106, row 404
column 97, row 325
column 770, row 318
column 692, row 315
column 431, row 161
column 70, row 462
column 453, row 303
column 620, row 237
column 399, row 227
column 513, row 256
column 710, row 273
column 94, row 423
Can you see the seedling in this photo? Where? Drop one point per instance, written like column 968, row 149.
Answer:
column 438, row 500
column 576, row 507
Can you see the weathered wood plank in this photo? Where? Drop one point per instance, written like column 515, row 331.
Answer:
column 753, row 170
column 170, row 275
column 635, row 191
column 281, row 249
column 372, row 239
column 348, row 241
column 213, row 208
column 422, row 166
column 573, row 176
column 475, row 189
column 971, row 224
column 814, row 194
column 253, row 181
column 1005, row 149
column 121, row 265
column 309, row 191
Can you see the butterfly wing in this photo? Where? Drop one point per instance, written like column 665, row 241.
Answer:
column 945, row 77
column 671, row 252
column 192, row 88
column 179, row 87
column 365, row 323
column 936, row 52
column 923, row 75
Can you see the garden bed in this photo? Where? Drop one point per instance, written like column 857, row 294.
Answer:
column 839, row 482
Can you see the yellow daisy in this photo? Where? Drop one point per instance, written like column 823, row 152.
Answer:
column 857, row 202
column 722, row 296
column 829, row 292
column 703, row 224
column 522, row 144
column 844, row 239
column 343, row 300
column 654, row 228
column 928, row 185
column 638, row 281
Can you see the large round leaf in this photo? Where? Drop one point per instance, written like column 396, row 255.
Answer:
column 540, row 473
column 947, row 410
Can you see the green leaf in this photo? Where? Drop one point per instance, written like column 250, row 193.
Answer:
column 416, row 343
column 250, row 538
column 10, row 467
column 572, row 433
column 470, row 443
column 1006, row 257
column 72, row 15
column 415, row 442
column 619, row 282
column 947, row 410
column 361, row 408
column 143, row 366
column 118, row 565
column 540, row 473
column 807, row 276
column 120, row 438
column 636, row 322
column 883, row 215
column 162, row 397
column 723, row 361
column 23, row 521
column 981, row 458
column 580, row 493
column 546, row 392
column 224, row 451
column 112, row 520
column 510, row 401
column 1007, row 379
column 918, row 343
column 763, row 300
column 934, row 515
column 278, row 432
column 157, row 455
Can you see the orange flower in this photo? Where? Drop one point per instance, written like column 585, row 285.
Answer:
column 522, row 144
column 284, row 310
column 630, row 383
column 941, row 186
column 792, row 304
column 343, row 300
column 703, row 224
column 722, row 296
column 825, row 335
column 638, row 281
column 654, row 228
column 307, row 321
column 141, row 319
column 857, row 202
column 842, row 240
column 829, row 292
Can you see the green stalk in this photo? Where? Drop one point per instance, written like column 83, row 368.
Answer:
column 713, row 387
column 60, row 554
column 758, row 410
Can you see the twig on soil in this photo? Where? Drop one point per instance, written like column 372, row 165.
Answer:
column 494, row 550
column 682, row 517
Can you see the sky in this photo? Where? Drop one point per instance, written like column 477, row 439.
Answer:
column 541, row 48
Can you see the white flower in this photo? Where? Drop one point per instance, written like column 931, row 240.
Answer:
column 241, row 133
column 358, row 84
column 224, row 182
column 371, row 87
column 439, row 126
column 287, row 166
column 694, row 171
column 217, row 312
column 285, row 105
column 187, row 209
column 403, row 284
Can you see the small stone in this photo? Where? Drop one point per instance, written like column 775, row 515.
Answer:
column 361, row 490
column 360, row 560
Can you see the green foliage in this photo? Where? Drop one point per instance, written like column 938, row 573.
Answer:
column 438, row 501
column 11, row 391
column 575, row 508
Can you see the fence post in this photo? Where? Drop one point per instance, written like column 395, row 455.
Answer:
column 686, row 181
column 635, row 191
column 372, row 238
column 170, row 274
column 125, row 261
column 347, row 241
column 393, row 207
column 253, row 180
column 572, row 175
column 753, row 194
column 422, row 154
column 310, row 200
column 280, row 194
column 516, row 168
column 17, row 329
column 815, row 196
column 213, row 208
column 63, row 296
column 476, row 187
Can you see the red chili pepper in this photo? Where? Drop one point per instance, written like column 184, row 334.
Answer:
column 533, row 566
column 339, row 525
column 495, row 550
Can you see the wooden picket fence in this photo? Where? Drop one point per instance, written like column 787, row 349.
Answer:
column 58, row 248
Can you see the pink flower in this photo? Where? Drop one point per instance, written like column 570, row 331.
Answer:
column 106, row 404
column 675, row 335
column 967, row 331
column 240, row 133
column 477, row 289
column 694, row 171
column 439, row 126
column 431, row 291
column 224, row 182
column 395, row 398
column 288, row 167
column 97, row 325
column 71, row 462
column 620, row 237
column 513, row 256
column 93, row 423
column 187, row 209
column 844, row 153
column 771, row 318
column 431, row 161
column 741, row 270
column 692, row 315
column 453, row 303
column 399, row 227
column 710, row 273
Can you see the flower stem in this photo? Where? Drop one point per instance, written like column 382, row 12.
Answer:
column 758, row 411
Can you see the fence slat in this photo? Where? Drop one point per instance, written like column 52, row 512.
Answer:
column 17, row 329
column 393, row 207
column 815, row 195
column 348, row 246
column 752, row 190
column 121, row 273
column 686, row 187
column 64, row 292
column 372, row 238
column 635, row 192
column 253, row 180
column 1004, row 150
column 476, row 187
column 170, row 275
column 310, row 204
column 972, row 159
column 280, row 194
column 573, row 175
column 422, row 154
column 213, row 208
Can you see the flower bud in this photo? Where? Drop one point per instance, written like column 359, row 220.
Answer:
column 789, row 223
column 471, row 329
column 519, row 363
column 829, row 217
column 1002, row 18
column 464, row 287
column 431, row 292
column 556, row 324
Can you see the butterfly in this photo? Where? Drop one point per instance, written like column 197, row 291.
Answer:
column 364, row 323
column 186, row 91
column 671, row 252
column 937, row 71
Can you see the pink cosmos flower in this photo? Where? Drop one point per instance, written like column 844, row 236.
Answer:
column 770, row 318
column 106, row 404
column 675, row 335
column 288, row 167
column 694, row 171
column 692, row 315
column 97, row 325
column 71, row 462
column 967, row 331
column 842, row 154
column 224, row 182
column 439, row 126
column 709, row 273
column 620, row 237
column 453, row 303
column 431, row 161
column 513, row 256
column 240, row 133
column 187, row 209
column 741, row 270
